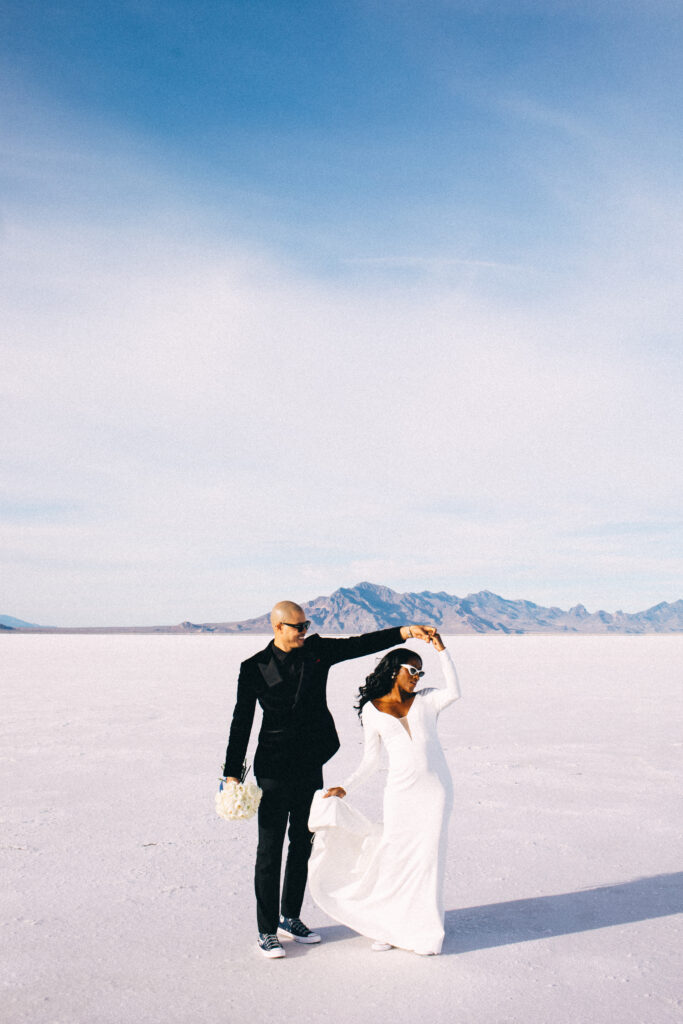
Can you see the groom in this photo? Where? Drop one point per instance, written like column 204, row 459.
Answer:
column 297, row 737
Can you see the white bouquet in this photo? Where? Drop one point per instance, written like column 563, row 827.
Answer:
column 238, row 801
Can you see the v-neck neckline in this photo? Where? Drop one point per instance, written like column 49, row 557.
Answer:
column 401, row 720
column 405, row 725
column 397, row 717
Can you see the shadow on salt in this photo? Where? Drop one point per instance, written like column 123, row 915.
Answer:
column 543, row 917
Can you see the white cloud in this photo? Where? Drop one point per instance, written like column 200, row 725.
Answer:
column 204, row 424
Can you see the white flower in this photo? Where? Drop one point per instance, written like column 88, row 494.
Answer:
column 238, row 801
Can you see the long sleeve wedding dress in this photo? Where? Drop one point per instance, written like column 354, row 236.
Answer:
column 386, row 882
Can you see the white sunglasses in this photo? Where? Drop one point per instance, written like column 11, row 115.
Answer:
column 413, row 671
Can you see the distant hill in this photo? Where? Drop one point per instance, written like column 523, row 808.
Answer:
column 9, row 620
column 368, row 606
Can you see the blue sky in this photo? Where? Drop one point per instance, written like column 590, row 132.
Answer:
column 299, row 295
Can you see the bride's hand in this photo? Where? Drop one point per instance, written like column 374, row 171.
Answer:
column 438, row 642
column 335, row 791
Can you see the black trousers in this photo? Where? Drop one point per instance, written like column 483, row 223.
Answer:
column 283, row 801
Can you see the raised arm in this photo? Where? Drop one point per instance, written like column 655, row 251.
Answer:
column 369, row 763
column 336, row 649
column 451, row 692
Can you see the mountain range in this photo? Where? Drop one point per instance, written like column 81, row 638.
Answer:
column 369, row 606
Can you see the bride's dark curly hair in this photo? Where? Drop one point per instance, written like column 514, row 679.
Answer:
column 379, row 682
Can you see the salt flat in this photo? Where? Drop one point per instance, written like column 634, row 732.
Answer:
column 128, row 899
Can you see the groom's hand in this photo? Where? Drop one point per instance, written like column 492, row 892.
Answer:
column 335, row 791
column 418, row 633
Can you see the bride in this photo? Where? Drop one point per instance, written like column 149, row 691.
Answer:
column 387, row 882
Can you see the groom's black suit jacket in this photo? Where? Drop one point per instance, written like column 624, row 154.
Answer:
column 297, row 733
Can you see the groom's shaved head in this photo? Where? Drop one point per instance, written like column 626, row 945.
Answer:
column 286, row 611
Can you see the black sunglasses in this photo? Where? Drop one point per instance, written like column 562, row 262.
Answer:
column 300, row 627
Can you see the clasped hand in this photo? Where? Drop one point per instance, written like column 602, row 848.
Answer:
column 427, row 633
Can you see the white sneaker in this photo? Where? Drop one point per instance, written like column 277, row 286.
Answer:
column 380, row 947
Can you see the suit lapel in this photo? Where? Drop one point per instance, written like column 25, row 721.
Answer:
column 269, row 667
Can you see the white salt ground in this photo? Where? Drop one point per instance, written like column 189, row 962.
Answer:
column 128, row 900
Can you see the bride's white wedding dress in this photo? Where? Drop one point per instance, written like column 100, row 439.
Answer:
column 386, row 882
